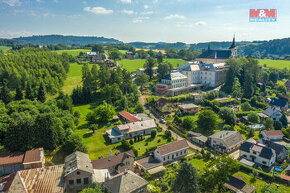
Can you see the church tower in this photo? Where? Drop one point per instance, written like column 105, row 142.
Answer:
column 234, row 49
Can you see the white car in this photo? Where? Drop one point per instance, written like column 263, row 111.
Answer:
column 162, row 121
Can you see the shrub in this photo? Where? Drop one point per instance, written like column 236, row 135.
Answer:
column 159, row 140
column 131, row 142
column 146, row 143
column 153, row 133
column 159, row 129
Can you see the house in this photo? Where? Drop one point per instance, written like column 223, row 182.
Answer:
column 280, row 103
column 204, row 74
column 171, row 151
column 13, row 162
column 46, row 179
column 273, row 135
column 226, row 141
column 116, row 163
column 237, row 185
column 287, row 170
column 225, row 101
column 262, row 116
column 258, row 153
column 218, row 56
column 280, row 150
column 256, row 126
column 149, row 164
column 188, row 108
column 126, row 182
column 128, row 117
column 130, row 130
column 197, row 138
column 197, row 97
column 78, row 172
column 273, row 112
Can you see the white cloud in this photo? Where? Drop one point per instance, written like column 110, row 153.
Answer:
column 147, row 12
column 200, row 23
column 146, row 6
column 137, row 21
column 129, row 12
column 39, row 1
column 98, row 10
column 126, row 1
column 174, row 16
column 13, row 34
column 12, row 2
column 155, row 1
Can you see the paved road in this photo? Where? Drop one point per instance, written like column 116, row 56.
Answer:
column 164, row 127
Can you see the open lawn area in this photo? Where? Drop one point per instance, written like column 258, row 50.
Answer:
column 259, row 184
column 133, row 65
column 5, row 48
column 280, row 64
column 74, row 78
column 73, row 52
column 97, row 143
column 199, row 164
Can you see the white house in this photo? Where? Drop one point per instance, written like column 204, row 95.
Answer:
column 131, row 130
column 226, row 141
column 171, row 151
column 273, row 112
column 273, row 135
column 258, row 153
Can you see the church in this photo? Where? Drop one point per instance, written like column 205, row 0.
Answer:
column 210, row 56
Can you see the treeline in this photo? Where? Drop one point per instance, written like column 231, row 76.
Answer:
column 29, row 124
column 100, row 84
column 67, row 40
column 28, row 68
column 8, row 42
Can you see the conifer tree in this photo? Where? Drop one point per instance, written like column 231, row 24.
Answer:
column 28, row 92
column 5, row 94
column 19, row 94
column 41, row 93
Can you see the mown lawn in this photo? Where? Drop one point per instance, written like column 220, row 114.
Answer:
column 259, row 184
column 73, row 52
column 74, row 77
column 280, row 64
column 199, row 164
column 133, row 65
column 5, row 48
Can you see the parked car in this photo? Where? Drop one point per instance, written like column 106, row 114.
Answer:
column 162, row 121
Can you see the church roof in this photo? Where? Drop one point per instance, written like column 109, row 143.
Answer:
column 216, row 54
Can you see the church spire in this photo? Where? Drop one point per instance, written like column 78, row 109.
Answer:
column 233, row 43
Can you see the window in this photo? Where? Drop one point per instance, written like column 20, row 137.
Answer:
column 164, row 159
column 79, row 181
column 264, row 162
column 86, row 180
column 78, row 173
column 184, row 151
column 71, row 182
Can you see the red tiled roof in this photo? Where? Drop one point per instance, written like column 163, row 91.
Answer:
column 128, row 116
column 111, row 160
column 172, row 147
column 7, row 181
column 34, row 155
column 274, row 133
column 11, row 158
column 285, row 177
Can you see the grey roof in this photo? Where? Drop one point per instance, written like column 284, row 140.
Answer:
column 277, row 147
column 230, row 138
column 216, row 54
column 278, row 102
column 264, row 151
column 77, row 161
column 174, row 75
column 288, row 168
column 125, row 182
column 271, row 110
column 189, row 66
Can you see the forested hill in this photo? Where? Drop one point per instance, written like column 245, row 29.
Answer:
column 67, row 40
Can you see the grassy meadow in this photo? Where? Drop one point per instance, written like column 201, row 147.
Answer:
column 5, row 48
column 73, row 52
column 280, row 64
column 133, row 65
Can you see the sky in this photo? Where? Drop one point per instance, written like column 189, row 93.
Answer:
column 189, row 21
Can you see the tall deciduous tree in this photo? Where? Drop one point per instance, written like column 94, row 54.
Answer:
column 164, row 68
column 237, row 90
column 187, row 179
column 228, row 115
column 207, row 120
column 142, row 80
column 102, row 114
column 149, row 64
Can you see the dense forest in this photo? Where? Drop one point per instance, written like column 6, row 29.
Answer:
column 67, row 40
column 29, row 68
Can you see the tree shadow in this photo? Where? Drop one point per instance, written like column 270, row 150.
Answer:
column 149, row 139
column 86, row 135
column 84, row 126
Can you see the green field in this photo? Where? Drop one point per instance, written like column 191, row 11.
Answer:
column 5, row 48
column 74, row 52
column 133, row 65
column 74, row 78
column 280, row 64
